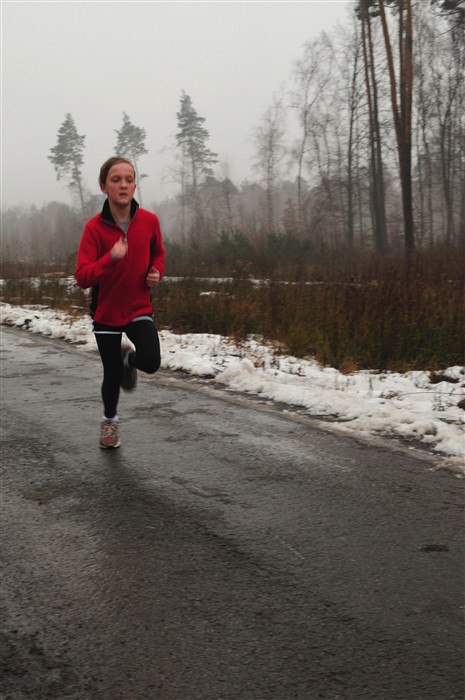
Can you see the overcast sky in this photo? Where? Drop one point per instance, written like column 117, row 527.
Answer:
column 97, row 60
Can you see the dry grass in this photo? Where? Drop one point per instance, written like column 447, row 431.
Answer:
column 347, row 312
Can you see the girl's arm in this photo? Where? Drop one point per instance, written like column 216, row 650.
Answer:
column 90, row 269
column 157, row 251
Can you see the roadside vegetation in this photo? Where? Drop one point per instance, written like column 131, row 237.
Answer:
column 349, row 312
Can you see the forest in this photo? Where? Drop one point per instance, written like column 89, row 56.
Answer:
column 359, row 179
column 375, row 158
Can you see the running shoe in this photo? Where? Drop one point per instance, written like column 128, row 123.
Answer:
column 109, row 434
column 129, row 374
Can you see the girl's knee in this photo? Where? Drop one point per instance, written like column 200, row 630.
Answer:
column 150, row 366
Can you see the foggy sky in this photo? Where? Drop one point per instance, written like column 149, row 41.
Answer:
column 97, row 60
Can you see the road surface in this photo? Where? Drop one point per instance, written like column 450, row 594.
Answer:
column 227, row 551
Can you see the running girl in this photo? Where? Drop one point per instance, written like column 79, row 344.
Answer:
column 121, row 257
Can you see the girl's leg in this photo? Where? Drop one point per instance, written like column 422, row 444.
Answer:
column 109, row 345
column 144, row 335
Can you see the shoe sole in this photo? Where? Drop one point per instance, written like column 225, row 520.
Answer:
column 110, row 447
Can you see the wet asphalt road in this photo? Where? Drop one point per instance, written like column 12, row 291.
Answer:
column 225, row 552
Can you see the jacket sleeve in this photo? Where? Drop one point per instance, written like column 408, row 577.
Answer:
column 90, row 268
column 157, row 251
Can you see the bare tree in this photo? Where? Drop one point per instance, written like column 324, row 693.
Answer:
column 440, row 105
column 312, row 75
column 450, row 107
column 349, row 65
column 270, row 151
column 423, row 111
column 228, row 190
column 378, row 204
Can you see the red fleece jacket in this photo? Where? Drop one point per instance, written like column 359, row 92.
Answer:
column 120, row 292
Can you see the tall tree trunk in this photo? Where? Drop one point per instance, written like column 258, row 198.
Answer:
column 78, row 180
column 423, row 152
column 403, row 116
column 226, row 190
column 446, row 167
column 300, row 165
column 139, row 193
column 350, row 154
column 377, row 207
column 198, row 213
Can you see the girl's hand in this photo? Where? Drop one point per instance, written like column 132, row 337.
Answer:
column 152, row 278
column 119, row 250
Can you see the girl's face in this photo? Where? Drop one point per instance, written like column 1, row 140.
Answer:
column 120, row 184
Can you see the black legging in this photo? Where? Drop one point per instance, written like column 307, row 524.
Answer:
column 146, row 358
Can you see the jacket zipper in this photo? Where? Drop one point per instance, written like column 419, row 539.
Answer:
column 115, row 225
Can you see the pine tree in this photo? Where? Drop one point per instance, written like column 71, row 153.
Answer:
column 131, row 144
column 195, row 157
column 67, row 158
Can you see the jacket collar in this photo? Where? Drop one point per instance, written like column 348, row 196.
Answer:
column 107, row 216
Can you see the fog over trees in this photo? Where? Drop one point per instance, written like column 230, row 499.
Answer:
column 363, row 149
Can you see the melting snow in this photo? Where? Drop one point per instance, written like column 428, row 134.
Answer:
column 366, row 402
